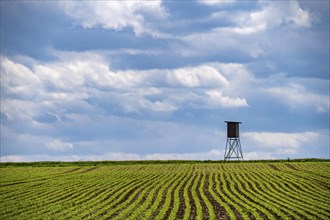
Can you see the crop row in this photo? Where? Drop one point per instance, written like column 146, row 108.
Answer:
column 168, row 191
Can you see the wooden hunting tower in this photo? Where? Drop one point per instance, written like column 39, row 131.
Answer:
column 233, row 145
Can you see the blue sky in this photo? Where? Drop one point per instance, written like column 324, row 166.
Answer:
column 129, row 80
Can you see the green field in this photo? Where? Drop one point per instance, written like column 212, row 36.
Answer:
column 190, row 190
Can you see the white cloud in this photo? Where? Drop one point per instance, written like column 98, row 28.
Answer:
column 281, row 145
column 259, row 155
column 248, row 33
column 235, row 72
column 14, row 158
column 18, row 79
column 58, row 145
column 81, row 90
column 15, row 109
column 282, row 142
column 201, row 76
column 116, row 15
column 273, row 14
column 78, row 71
column 143, row 16
column 213, row 154
column 276, row 13
column 63, row 85
column 135, row 102
column 216, row 98
column 215, row 2
column 297, row 96
column 97, row 134
column 221, row 43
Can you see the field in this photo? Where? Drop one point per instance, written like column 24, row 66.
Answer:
column 187, row 190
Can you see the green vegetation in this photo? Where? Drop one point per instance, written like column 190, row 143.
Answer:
column 139, row 162
column 166, row 190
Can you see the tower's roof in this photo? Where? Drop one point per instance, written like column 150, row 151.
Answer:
column 236, row 122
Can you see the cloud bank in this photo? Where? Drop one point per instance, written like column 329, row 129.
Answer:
column 157, row 79
column 116, row 15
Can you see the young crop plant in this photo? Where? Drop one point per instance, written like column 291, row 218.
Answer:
column 273, row 195
column 250, row 197
column 220, row 189
column 122, row 198
column 176, row 198
column 157, row 205
column 150, row 197
column 142, row 194
column 248, row 207
column 231, row 198
column 169, row 197
column 119, row 180
column 304, row 206
column 199, row 209
column 212, row 187
column 186, row 192
column 258, row 197
column 209, row 206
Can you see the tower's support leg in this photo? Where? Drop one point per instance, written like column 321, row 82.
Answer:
column 233, row 149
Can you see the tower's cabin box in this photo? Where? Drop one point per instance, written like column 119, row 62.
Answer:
column 233, row 129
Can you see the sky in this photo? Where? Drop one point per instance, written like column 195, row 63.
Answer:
column 149, row 80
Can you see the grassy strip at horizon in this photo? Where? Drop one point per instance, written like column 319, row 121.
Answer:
column 171, row 191
column 145, row 162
